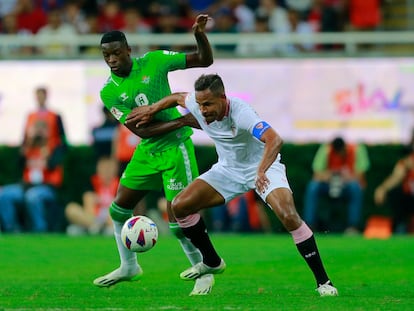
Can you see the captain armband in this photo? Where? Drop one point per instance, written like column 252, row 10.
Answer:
column 260, row 128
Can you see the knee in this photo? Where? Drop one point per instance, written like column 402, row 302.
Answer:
column 180, row 208
column 290, row 220
column 176, row 207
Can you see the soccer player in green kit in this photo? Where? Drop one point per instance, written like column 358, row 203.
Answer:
column 164, row 161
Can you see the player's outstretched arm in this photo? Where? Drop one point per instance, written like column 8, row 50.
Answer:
column 158, row 128
column 203, row 57
column 144, row 114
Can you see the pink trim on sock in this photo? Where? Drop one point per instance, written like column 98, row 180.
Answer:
column 302, row 233
column 188, row 221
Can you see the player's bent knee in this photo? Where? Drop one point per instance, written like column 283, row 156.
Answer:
column 290, row 220
column 178, row 208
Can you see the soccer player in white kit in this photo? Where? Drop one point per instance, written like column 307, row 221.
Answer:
column 248, row 158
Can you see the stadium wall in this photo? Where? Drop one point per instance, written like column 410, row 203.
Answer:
column 80, row 164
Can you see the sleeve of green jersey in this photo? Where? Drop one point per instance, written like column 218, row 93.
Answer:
column 170, row 60
column 111, row 102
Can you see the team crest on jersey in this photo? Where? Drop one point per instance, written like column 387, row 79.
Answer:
column 145, row 79
column 116, row 113
column 259, row 125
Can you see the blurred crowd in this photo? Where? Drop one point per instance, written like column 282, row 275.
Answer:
column 66, row 18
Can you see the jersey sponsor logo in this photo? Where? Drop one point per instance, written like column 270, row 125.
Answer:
column 123, row 96
column 116, row 113
column 146, row 79
column 169, row 52
column 175, row 185
column 141, row 100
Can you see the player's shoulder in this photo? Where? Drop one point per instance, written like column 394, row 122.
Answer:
column 107, row 88
column 190, row 101
column 107, row 83
column 158, row 54
column 240, row 107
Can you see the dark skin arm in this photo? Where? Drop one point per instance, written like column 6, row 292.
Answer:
column 144, row 114
column 203, row 57
column 159, row 128
column 273, row 143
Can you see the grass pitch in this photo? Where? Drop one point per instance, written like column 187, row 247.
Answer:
column 264, row 272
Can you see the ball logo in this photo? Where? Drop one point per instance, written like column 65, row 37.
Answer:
column 132, row 222
column 128, row 243
column 141, row 238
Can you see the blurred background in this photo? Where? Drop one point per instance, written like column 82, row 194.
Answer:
column 315, row 69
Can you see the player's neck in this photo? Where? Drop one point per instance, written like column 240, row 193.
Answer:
column 226, row 110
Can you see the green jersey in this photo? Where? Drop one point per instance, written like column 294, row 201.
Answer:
column 146, row 84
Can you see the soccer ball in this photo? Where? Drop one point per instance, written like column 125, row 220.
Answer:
column 139, row 234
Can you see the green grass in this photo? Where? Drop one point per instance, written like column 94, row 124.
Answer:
column 264, row 272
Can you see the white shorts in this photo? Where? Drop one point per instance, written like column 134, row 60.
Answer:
column 231, row 184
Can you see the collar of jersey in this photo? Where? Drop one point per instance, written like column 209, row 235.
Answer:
column 118, row 80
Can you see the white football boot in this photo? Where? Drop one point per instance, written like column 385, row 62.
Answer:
column 203, row 285
column 326, row 290
column 117, row 276
column 200, row 269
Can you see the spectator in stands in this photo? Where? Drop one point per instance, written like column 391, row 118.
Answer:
column 298, row 26
column 29, row 17
column 7, row 7
column 248, row 48
column 92, row 216
column 89, row 6
column 224, row 22
column 9, row 27
column 339, row 173
column 202, row 6
column 245, row 17
column 110, row 16
column 134, row 22
column 327, row 16
column 103, row 135
column 278, row 17
column 54, row 31
column 398, row 187
column 92, row 27
column 168, row 22
column 73, row 15
column 300, row 6
column 42, row 153
column 49, row 5
column 364, row 14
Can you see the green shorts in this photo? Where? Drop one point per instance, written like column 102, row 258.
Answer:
column 171, row 170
